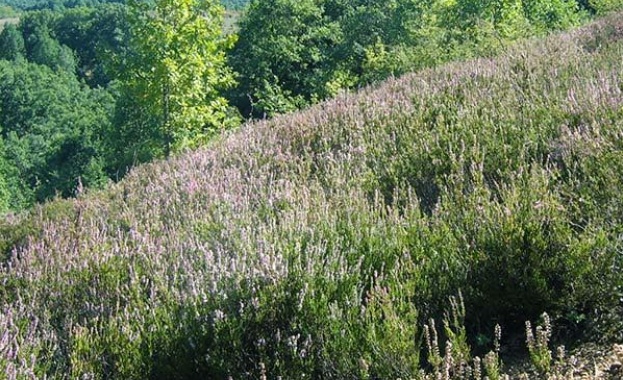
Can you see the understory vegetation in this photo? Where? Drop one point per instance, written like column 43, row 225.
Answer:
column 382, row 234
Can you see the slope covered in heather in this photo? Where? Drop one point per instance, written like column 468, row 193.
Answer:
column 320, row 243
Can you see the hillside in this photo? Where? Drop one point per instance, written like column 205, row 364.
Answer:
column 321, row 243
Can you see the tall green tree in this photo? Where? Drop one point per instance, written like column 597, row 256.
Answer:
column 48, row 51
column 381, row 36
column 11, row 43
column 283, row 54
column 176, row 71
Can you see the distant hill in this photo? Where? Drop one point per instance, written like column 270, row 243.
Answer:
column 336, row 242
column 51, row 4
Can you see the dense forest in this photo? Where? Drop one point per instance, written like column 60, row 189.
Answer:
column 90, row 89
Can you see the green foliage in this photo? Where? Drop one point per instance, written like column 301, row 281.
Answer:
column 14, row 194
column 177, row 70
column 5, row 191
column 294, row 53
column 52, row 128
column 601, row 6
column 553, row 15
column 85, row 45
column 47, row 51
column 40, row 45
column 94, row 34
column 379, row 37
column 60, row 4
column 282, row 55
column 77, row 40
column 7, row 11
column 11, row 43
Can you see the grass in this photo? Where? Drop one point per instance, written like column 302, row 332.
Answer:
column 325, row 243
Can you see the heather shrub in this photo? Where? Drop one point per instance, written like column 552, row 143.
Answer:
column 324, row 242
column 17, row 228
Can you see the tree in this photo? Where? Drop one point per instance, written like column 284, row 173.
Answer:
column 176, row 69
column 41, row 45
column 283, row 55
column 6, row 11
column 600, row 6
column 52, row 131
column 552, row 14
column 291, row 53
column 93, row 34
column 14, row 194
column 11, row 43
column 380, row 37
column 48, row 51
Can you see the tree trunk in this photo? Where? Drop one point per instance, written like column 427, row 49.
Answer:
column 168, row 138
